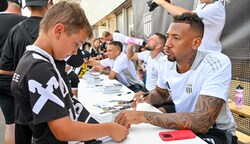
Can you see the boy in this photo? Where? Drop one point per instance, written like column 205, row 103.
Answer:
column 44, row 99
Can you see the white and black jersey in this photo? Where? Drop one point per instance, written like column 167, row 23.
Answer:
column 42, row 95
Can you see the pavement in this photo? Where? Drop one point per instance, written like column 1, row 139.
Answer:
column 2, row 127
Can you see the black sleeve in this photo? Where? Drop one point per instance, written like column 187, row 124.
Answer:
column 6, row 61
column 13, row 49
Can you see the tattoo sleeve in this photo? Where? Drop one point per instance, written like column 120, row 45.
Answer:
column 206, row 111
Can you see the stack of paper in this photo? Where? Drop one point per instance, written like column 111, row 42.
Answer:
column 112, row 88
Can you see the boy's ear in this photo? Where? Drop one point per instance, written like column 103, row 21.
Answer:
column 58, row 29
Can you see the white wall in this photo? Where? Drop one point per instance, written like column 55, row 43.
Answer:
column 97, row 9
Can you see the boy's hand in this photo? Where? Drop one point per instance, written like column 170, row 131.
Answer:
column 118, row 132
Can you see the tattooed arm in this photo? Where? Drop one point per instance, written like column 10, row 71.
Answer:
column 206, row 111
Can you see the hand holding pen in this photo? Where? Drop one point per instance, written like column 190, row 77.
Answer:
column 139, row 97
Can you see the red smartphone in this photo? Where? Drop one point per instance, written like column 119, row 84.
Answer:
column 176, row 135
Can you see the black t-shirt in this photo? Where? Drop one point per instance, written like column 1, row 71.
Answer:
column 16, row 43
column 14, row 48
column 45, row 97
column 8, row 20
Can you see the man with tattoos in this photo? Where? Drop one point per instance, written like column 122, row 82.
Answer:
column 197, row 82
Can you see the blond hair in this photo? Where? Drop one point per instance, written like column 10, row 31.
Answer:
column 70, row 14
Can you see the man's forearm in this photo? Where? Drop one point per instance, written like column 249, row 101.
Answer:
column 200, row 121
column 92, row 62
column 173, row 9
column 129, row 52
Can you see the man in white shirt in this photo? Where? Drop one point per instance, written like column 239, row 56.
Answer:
column 198, row 83
column 121, row 68
column 150, row 57
column 213, row 16
column 107, row 36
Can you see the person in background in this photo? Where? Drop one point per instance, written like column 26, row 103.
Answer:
column 151, row 57
column 121, row 68
column 9, row 18
column 14, row 6
column 86, row 46
column 198, row 83
column 141, row 67
column 45, row 100
column 117, row 31
column 75, row 68
column 107, row 37
column 3, row 5
column 103, row 46
column 213, row 15
column 23, row 34
column 95, row 50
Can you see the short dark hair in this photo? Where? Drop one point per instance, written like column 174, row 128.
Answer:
column 117, row 44
column 162, row 38
column 86, row 44
column 191, row 18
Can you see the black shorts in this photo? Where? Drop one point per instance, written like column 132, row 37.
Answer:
column 23, row 134
column 8, row 111
column 217, row 136
column 169, row 108
column 6, row 98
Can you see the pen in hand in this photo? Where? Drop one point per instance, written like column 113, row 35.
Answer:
column 142, row 96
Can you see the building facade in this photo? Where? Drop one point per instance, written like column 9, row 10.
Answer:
column 109, row 15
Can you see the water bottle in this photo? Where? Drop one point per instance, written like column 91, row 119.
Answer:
column 239, row 96
column 134, row 41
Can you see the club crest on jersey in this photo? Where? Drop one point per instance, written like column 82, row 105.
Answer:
column 45, row 93
column 189, row 88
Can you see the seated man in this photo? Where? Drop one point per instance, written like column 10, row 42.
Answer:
column 122, row 68
column 198, row 83
column 151, row 57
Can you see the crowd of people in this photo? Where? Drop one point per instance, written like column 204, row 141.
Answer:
column 185, row 74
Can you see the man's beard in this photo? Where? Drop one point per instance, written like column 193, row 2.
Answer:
column 172, row 57
column 149, row 48
column 172, row 60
